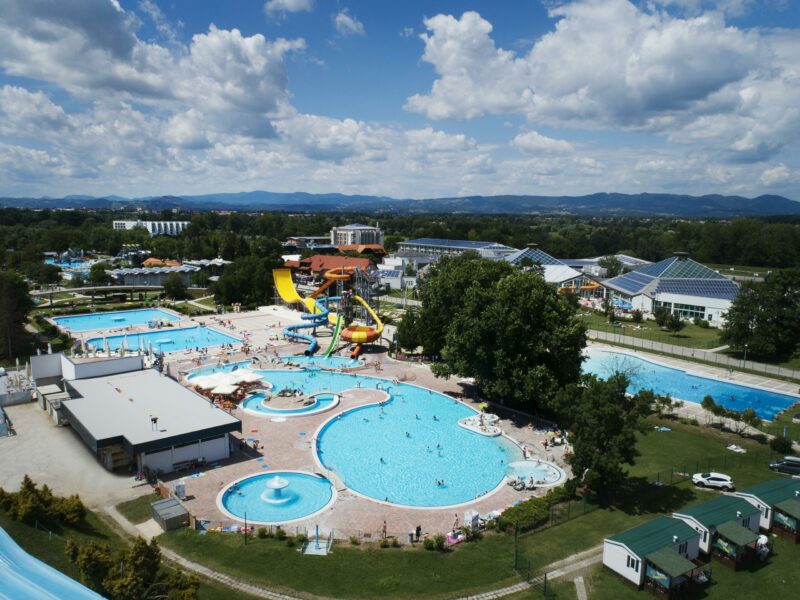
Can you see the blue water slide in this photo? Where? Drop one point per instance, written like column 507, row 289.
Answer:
column 313, row 320
column 24, row 577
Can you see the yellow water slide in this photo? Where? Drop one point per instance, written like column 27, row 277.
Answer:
column 285, row 286
column 364, row 335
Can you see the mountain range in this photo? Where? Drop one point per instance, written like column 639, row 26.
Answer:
column 600, row 204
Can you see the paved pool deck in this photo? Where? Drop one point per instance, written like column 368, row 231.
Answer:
column 283, row 447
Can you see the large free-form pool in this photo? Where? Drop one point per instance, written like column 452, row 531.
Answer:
column 644, row 374
column 168, row 339
column 113, row 320
column 410, row 450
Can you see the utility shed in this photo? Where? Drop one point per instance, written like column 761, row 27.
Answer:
column 170, row 514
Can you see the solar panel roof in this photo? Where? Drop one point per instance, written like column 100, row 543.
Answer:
column 676, row 267
column 723, row 289
column 632, row 282
column 389, row 274
column 535, row 254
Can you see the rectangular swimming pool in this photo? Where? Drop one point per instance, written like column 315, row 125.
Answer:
column 168, row 339
column 113, row 320
column 644, row 374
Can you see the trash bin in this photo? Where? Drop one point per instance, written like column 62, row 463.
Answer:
column 410, row 537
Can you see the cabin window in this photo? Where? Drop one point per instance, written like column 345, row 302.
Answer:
column 683, row 548
column 633, row 564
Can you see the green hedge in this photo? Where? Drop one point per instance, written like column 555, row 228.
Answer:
column 534, row 512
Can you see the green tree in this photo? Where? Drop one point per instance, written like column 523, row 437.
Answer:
column 408, row 330
column 661, row 315
column 604, row 429
column 174, row 287
column 519, row 338
column 443, row 294
column 15, row 304
column 98, row 275
column 765, row 317
column 611, row 264
column 247, row 280
column 674, row 323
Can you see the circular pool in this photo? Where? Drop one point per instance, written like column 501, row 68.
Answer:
column 276, row 497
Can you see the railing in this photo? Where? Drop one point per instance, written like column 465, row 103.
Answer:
column 695, row 354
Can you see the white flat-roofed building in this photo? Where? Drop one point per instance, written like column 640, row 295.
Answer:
column 438, row 247
column 143, row 418
column 356, row 234
column 153, row 227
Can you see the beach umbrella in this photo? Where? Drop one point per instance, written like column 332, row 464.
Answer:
column 49, row 348
column 125, row 343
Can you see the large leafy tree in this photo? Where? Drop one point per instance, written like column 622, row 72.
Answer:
column 443, row 294
column 519, row 338
column 15, row 304
column 765, row 317
column 247, row 280
column 604, row 425
column 174, row 287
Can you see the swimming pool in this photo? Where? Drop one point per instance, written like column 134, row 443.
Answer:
column 645, row 374
column 168, row 339
column 543, row 473
column 112, row 320
column 320, row 403
column 331, row 362
column 277, row 497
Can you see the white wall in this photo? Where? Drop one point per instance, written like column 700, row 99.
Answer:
column 615, row 557
column 100, row 368
column 46, row 365
column 210, row 451
column 715, row 307
column 765, row 519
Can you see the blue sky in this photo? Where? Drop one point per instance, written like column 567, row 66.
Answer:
column 408, row 99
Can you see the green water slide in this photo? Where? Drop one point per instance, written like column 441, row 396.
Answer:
column 337, row 330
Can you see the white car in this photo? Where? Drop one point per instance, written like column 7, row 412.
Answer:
column 714, row 480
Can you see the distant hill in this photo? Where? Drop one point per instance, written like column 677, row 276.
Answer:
column 600, row 204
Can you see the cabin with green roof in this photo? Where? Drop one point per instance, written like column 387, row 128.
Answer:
column 680, row 285
column 778, row 500
column 728, row 527
column 657, row 556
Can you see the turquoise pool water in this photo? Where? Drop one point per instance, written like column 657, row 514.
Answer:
column 169, row 340
column 398, row 452
column 304, row 495
column 113, row 320
column 255, row 403
column 332, row 362
column 543, row 473
column 679, row 384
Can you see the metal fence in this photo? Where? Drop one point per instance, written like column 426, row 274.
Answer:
column 696, row 354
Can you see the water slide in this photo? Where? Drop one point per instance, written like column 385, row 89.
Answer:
column 23, row 576
column 317, row 313
column 364, row 335
column 337, row 330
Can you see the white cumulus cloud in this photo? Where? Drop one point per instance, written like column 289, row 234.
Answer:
column 288, row 6
column 347, row 24
column 535, row 142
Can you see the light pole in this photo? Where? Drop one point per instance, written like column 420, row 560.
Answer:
column 744, row 363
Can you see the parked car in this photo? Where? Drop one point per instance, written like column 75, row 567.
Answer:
column 719, row 481
column 788, row 464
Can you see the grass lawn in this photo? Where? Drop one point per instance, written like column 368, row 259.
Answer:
column 51, row 550
column 774, row 579
column 690, row 336
column 138, row 510
column 776, row 427
column 685, row 448
column 354, row 572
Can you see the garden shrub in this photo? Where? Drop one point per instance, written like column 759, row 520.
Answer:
column 395, row 542
column 354, row 541
column 31, row 504
column 262, row 533
column 438, row 541
column 384, row 543
column 428, row 544
column 301, row 538
column 781, row 445
column 280, row 534
column 534, row 512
